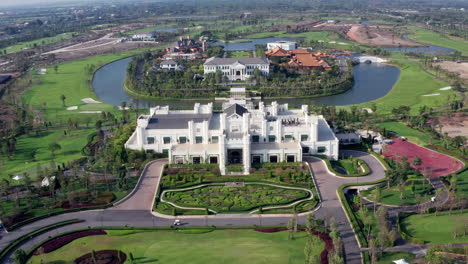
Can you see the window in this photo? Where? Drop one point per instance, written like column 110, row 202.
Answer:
column 198, row 129
column 273, row 159
column 167, row 140
column 196, row 160
column 213, row 160
column 305, row 149
column 214, row 139
column 256, row 159
column 234, row 129
column 150, row 151
column 255, row 139
column 271, row 138
column 304, row 137
column 290, row 158
column 198, row 140
column 288, row 136
column 182, row 140
column 321, row 149
column 165, row 151
column 150, row 140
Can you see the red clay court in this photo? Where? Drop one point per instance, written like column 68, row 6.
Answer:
column 439, row 163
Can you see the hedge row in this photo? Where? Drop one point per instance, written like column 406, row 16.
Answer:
column 357, row 228
column 32, row 234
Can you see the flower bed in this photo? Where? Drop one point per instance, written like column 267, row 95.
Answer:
column 61, row 241
column 222, row 198
column 103, row 257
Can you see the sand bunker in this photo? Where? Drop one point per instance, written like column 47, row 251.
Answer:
column 72, row 108
column 90, row 101
column 434, row 94
column 446, row 88
column 90, row 112
column 368, row 110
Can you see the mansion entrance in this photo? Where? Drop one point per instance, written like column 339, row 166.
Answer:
column 234, row 156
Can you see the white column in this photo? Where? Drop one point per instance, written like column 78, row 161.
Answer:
column 205, row 132
column 313, row 128
column 279, row 127
column 222, row 154
column 223, row 122
column 246, row 153
column 191, row 136
column 140, row 136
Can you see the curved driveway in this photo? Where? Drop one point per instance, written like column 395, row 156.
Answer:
column 135, row 210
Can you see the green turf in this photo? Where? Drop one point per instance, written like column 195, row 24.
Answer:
column 71, row 80
column 462, row 185
column 239, row 54
column 389, row 257
column 221, row 246
column 434, row 38
column 150, row 29
column 409, row 90
column 38, row 42
column 435, row 229
column 21, row 162
column 392, row 196
column 401, row 129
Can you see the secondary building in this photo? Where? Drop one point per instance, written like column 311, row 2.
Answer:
column 241, row 134
column 285, row 45
column 237, row 68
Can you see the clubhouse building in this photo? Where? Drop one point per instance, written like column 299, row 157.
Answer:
column 237, row 69
column 239, row 134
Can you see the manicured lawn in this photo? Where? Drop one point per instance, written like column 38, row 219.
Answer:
column 411, row 134
column 220, row 246
column 389, row 257
column 435, row 229
column 149, row 29
column 434, row 38
column 462, row 185
column 38, row 42
column 71, row 80
column 392, row 196
column 410, row 88
column 347, row 165
column 239, row 54
column 225, row 199
column 21, row 162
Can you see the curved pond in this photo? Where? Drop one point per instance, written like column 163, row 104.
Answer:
column 371, row 81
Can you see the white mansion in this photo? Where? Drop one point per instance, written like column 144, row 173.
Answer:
column 240, row 134
column 237, row 68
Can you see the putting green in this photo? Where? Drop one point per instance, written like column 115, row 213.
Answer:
column 221, row 246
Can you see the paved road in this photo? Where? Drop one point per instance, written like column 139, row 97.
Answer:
column 136, row 209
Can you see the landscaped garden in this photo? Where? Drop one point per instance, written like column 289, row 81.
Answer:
column 349, row 166
column 219, row 246
column 416, row 189
column 235, row 198
column 253, row 195
column 440, row 228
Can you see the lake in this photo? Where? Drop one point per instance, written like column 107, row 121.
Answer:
column 371, row 81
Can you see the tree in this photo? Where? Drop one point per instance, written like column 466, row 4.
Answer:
column 32, row 154
column 417, row 161
column 292, row 226
column 56, row 68
column 62, row 97
column 53, row 147
column 20, row 256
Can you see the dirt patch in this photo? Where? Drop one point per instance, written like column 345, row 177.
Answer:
column 454, row 125
column 102, row 257
column 61, row 241
column 72, row 108
column 452, row 66
column 378, row 35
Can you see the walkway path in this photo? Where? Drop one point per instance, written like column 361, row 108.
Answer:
column 135, row 210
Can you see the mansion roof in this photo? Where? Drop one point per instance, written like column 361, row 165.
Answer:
column 230, row 61
column 235, row 109
column 175, row 121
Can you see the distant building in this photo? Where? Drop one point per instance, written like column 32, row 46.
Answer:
column 149, row 37
column 169, row 65
column 277, row 52
column 237, row 68
column 285, row 45
column 241, row 134
column 186, row 49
